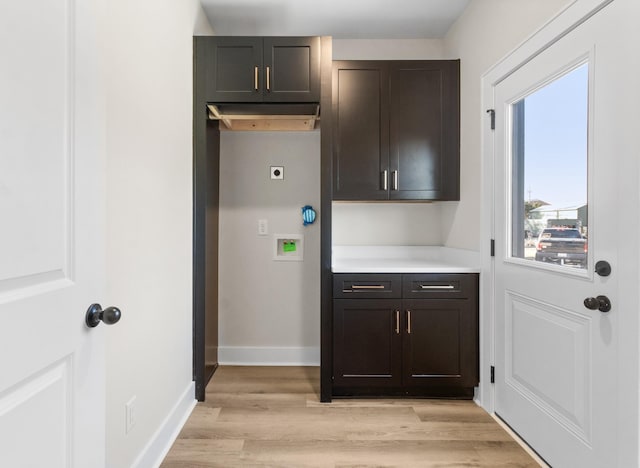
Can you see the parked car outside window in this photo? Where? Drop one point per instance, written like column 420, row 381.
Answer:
column 565, row 246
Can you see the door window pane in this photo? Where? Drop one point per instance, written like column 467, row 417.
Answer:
column 549, row 172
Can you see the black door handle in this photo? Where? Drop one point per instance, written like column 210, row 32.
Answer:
column 601, row 303
column 95, row 314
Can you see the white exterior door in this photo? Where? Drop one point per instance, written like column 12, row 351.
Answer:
column 51, row 246
column 563, row 134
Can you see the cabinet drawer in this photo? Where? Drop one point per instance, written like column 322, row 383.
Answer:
column 440, row 285
column 367, row 286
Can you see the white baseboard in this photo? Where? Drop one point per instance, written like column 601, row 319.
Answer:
column 268, row 356
column 157, row 448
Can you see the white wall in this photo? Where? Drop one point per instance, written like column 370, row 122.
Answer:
column 387, row 223
column 486, row 32
column 269, row 311
column 387, row 49
column 149, row 225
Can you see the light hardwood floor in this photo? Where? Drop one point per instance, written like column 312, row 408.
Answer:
column 272, row 417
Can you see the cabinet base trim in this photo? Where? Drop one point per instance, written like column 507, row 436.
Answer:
column 268, row 356
column 463, row 393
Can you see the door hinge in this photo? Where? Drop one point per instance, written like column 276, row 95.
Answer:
column 493, row 118
column 493, row 247
column 493, row 374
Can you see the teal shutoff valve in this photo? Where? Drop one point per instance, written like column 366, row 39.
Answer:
column 308, row 215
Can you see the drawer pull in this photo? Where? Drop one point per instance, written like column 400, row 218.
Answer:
column 397, row 322
column 409, row 322
column 367, row 286
column 430, row 286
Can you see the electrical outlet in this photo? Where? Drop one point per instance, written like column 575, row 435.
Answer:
column 277, row 172
column 263, row 227
column 130, row 414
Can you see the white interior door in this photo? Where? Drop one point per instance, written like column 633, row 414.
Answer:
column 557, row 141
column 51, row 249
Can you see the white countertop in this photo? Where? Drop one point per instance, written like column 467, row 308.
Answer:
column 403, row 259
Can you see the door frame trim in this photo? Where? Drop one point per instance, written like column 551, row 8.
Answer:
column 575, row 14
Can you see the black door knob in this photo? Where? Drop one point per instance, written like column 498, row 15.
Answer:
column 95, row 314
column 601, row 303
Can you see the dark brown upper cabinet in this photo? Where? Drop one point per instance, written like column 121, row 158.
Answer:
column 263, row 69
column 397, row 130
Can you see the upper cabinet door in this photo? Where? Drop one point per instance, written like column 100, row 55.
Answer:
column 361, row 132
column 234, row 72
column 291, row 69
column 424, row 130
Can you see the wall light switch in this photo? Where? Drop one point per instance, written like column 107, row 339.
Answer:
column 277, row 172
column 263, row 227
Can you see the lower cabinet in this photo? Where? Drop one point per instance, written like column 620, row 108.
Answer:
column 411, row 334
column 367, row 349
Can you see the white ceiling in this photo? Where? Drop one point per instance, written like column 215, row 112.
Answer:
column 342, row 19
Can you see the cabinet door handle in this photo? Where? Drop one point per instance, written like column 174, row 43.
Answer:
column 255, row 78
column 367, row 286
column 395, row 180
column 268, row 79
column 429, row 286
column 397, row 322
column 384, row 180
column 409, row 322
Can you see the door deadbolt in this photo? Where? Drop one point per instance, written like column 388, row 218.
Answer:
column 603, row 268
